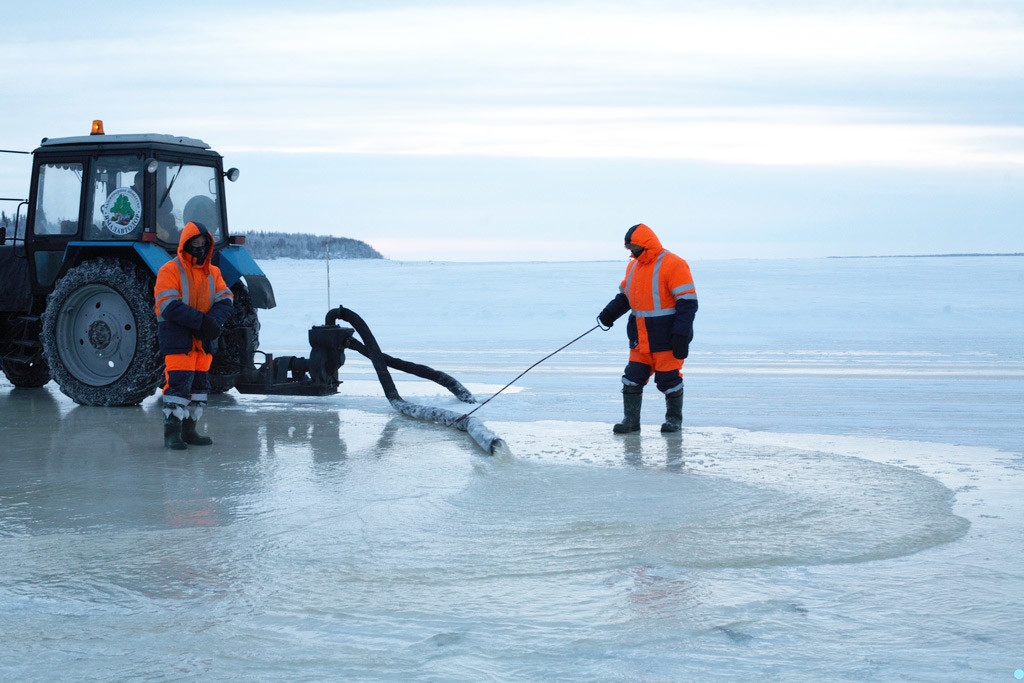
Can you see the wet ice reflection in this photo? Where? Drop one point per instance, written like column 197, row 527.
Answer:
column 633, row 451
column 326, row 541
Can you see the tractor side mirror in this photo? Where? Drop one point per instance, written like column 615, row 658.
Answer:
column 231, row 174
column 3, row 235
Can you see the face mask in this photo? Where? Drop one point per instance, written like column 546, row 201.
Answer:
column 198, row 253
column 635, row 250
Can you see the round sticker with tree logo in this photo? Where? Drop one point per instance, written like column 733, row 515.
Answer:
column 122, row 211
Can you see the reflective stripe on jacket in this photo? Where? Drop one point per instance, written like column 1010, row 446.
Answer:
column 662, row 297
column 184, row 292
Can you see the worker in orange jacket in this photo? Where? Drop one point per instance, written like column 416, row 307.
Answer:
column 658, row 290
column 192, row 305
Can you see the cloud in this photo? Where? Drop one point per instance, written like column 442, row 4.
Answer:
column 532, row 46
column 790, row 127
column 760, row 136
column 649, row 80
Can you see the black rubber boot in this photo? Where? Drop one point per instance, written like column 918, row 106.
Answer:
column 190, row 436
column 673, row 413
column 631, row 401
column 172, row 433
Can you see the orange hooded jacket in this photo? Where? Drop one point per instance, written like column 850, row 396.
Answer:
column 658, row 290
column 186, row 291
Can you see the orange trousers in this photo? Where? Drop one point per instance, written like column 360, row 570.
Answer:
column 665, row 367
column 186, row 376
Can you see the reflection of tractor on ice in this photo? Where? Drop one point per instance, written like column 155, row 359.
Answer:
column 104, row 212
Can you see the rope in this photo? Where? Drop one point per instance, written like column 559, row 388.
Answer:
column 595, row 327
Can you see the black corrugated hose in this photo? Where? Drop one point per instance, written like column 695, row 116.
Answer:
column 486, row 439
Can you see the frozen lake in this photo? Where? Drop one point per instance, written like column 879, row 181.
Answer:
column 844, row 502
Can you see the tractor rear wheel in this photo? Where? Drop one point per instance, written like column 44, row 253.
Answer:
column 100, row 334
column 236, row 349
column 27, row 376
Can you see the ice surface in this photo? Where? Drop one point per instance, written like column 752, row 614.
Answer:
column 844, row 501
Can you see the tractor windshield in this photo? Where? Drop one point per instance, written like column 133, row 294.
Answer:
column 187, row 193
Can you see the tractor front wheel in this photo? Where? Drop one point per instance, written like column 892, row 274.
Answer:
column 100, row 334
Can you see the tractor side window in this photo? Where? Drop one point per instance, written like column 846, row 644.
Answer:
column 193, row 197
column 59, row 198
column 115, row 199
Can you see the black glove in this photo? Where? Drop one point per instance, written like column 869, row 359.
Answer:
column 615, row 308
column 680, row 346
column 210, row 329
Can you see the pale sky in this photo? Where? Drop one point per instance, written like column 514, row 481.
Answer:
column 519, row 131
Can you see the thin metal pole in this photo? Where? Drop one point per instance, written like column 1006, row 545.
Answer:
column 327, row 251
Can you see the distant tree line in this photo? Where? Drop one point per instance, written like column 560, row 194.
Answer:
column 302, row 245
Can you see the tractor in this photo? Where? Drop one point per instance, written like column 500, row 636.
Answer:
column 104, row 212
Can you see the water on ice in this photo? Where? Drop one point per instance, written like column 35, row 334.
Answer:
column 843, row 502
